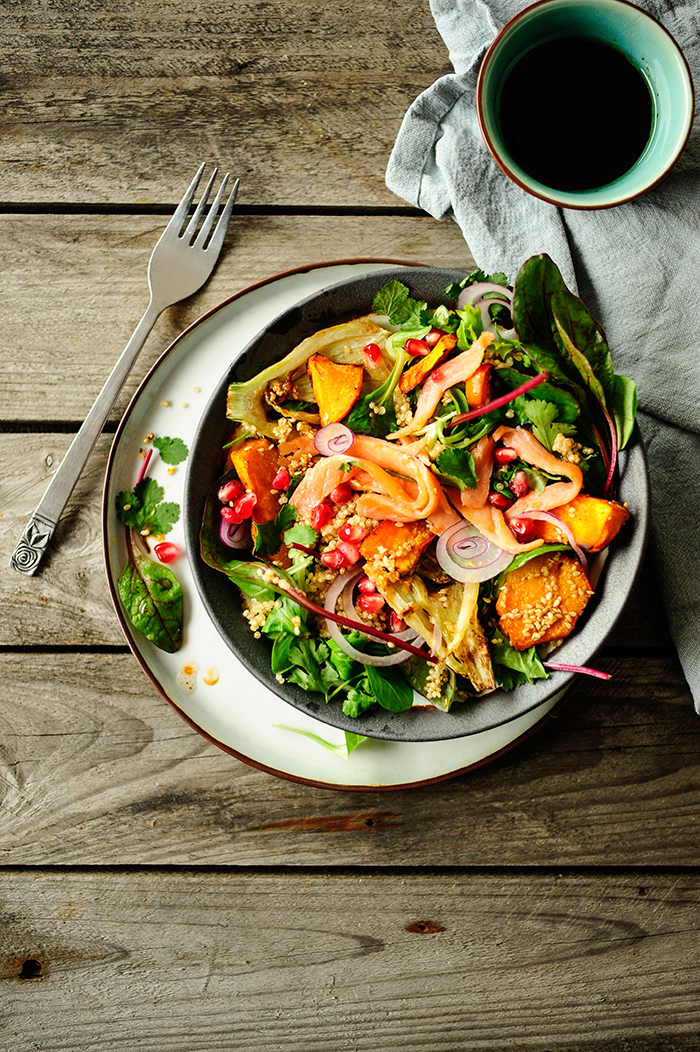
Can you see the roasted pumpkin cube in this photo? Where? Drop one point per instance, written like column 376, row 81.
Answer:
column 478, row 387
column 392, row 549
column 593, row 521
column 336, row 387
column 417, row 372
column 542, row 600
column 257, row 462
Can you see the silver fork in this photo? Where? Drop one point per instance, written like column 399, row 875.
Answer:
column 180, row 264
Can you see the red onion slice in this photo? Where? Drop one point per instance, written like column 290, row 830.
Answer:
column 235, row 534
column 347, row 596
column 468, row 557
column 340, row 585
column 548, row 516
column 477, row 296
column 333, row 438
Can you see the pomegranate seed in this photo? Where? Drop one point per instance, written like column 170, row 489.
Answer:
column 350, row 551
column 504, row 455
column 433, row 337
column 371, row 604
column 282, row 479
column 352, row 533
column 395, row 622
column 321, row 516
column 334, row 559
column 499, row 500
column 229, row 514
column 243, row 507
column 373, row 355
column 231, row 491
column 342, row 493
column 436, row 377
column 366, row 586
column 524, row 530
column 416, row 348
column 519, row 484
column 166, row 551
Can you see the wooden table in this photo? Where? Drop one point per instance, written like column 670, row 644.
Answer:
column 155, row 892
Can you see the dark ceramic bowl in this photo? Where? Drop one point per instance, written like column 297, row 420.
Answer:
column 221, row 598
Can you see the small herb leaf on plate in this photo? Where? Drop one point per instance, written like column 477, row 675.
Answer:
column 172, row 450
column 145, row 509
column 152, row 597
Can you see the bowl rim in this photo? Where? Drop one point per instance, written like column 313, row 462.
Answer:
column 552, row 196
column 192, row 518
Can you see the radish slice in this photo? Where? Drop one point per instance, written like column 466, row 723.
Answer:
column 548, row 516
column 333, row 438
column 468, row 557
column 342, row 583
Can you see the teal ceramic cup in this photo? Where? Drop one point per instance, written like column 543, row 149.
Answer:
column 517, row 65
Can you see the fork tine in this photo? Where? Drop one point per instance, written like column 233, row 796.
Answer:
column 211, row 214
column 180, row 213
column 222, row 226
column 194, row 221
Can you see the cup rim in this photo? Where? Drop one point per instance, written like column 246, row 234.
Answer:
column 553, row 196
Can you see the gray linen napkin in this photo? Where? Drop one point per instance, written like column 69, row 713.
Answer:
column 636, row 267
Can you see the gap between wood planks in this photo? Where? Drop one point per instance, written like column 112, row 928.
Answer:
column 154, row 209
column 647, row 873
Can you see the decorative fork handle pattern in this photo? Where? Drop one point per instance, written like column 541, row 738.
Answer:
column 32, row 544
column 39, row 530
column 179, row 265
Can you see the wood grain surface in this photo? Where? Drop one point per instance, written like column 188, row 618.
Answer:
column 155, row 892
column 96, row 768
column 118, row 102
column 76, row 286
column 189, row 962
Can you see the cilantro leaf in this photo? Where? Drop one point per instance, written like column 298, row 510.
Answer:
column 145, row 509
column 410, row 314
column 359, row 699
column 268, row 535
column 389, row 298
column 393, row 301
column 476, row 277
column 300, row 533
column 543, row 417
column 172, row 450
column 457, row 467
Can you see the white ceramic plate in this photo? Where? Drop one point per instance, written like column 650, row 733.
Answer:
column 204, row 681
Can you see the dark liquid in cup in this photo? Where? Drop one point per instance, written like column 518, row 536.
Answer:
column 575, row 114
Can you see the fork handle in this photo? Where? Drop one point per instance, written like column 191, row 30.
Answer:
column 39, row 530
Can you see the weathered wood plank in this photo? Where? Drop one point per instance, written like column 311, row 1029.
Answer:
column 115, row 102
column 95, row 768
column 211, row 960
column 67, row 602
column 74, row 288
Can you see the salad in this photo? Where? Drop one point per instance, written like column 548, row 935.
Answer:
column 412, row 502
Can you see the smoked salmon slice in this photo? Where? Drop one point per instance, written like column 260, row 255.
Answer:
column 392, row 484
column 531, row 450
